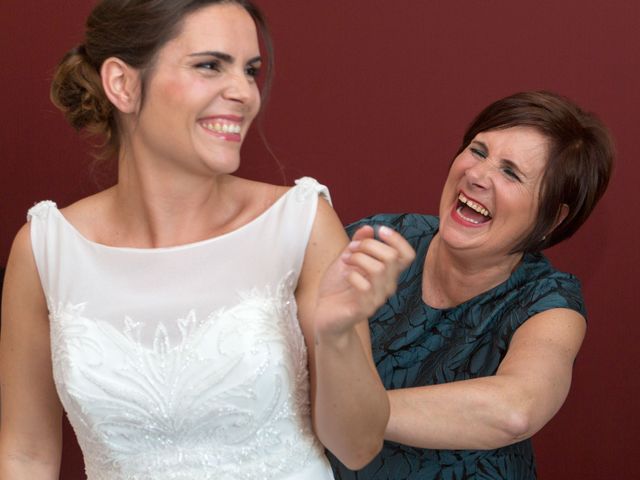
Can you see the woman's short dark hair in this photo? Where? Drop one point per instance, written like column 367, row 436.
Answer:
column 133, row 31
column 579, row 166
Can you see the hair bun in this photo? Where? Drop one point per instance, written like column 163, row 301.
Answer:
column 77, row 91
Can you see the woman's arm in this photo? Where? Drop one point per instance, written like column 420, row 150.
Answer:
column 341, row 285
column 30, row 433
column 528, row 389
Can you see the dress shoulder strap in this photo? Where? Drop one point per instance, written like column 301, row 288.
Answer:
column 309, row 187
column 41, row 209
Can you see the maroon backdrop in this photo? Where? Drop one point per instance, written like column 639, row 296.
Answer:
column 371, row 97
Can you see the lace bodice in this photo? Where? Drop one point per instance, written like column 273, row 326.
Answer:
column 185, row 362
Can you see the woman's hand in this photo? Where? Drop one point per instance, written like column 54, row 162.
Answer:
column 361, row 279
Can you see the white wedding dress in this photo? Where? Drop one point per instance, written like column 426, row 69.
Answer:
column 185, row 362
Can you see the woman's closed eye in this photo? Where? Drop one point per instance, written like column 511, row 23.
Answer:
column 477, row 152
column 511, row 173
column 507, row 169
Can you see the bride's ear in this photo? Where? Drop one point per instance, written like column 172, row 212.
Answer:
column 121, row 84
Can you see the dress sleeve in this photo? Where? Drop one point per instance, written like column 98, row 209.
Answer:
column 560, row 291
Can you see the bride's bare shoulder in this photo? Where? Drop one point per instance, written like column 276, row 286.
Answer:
column 259, row 194
column 90, row 211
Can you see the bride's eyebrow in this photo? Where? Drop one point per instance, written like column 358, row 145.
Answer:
column 224, row 57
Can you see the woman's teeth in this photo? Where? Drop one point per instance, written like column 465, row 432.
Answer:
column 474, row 206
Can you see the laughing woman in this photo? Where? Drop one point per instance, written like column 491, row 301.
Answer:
column 477, row 346
column 193, row 324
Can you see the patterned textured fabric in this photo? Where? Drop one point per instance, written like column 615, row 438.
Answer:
column 415, row 345
column 185, row 362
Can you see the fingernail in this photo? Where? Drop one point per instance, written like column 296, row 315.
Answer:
column 354, row 244
column 384, row 231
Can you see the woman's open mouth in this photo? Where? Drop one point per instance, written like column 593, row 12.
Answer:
column 472, row 211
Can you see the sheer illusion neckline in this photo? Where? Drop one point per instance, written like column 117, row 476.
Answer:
column 174, row 248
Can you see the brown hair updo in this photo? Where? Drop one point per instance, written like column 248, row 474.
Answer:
column 133, row 31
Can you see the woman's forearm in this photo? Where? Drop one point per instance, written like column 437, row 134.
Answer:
column 474, row 414
column 528, row 389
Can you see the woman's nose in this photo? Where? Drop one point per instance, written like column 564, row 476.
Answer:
column 479, row 174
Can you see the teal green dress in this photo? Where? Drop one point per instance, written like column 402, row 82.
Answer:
column 416, row 345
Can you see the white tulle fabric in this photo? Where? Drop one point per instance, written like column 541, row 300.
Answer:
column 185, row 362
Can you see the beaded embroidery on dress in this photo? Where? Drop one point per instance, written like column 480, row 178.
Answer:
column 172, row 366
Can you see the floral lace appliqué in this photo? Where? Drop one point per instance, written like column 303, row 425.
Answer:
column 222, row 397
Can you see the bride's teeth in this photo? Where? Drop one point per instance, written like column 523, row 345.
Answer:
column 222, row 127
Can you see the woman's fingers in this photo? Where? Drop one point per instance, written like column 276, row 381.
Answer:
column 392, row 249
column 399, row 243
column 379, row 262
column 367, row 264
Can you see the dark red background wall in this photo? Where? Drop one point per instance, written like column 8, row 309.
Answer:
column 371, row 97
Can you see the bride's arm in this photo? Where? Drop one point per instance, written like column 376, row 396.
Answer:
column 30, row 433
column 341, row 285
